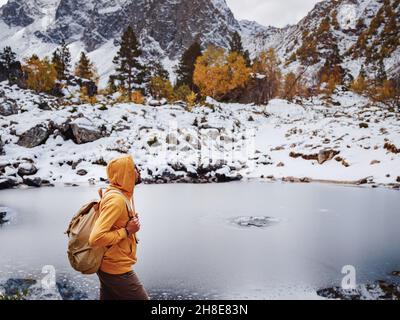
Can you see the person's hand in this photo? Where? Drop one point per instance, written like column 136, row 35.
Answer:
column 133, row 226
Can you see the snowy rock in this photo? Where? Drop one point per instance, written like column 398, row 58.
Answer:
column 171, row 139
column 380, row 290
column 8, row 182
column 3, row 217
column 391, row 148
column 31, row 289
column 296, row 155
column 296, row 180
column 84, row 133
column 33, row 181
column 43, row 105
column 226, row 175
column 178, row 166
column 34, row 137
column 326, row 155
column 1, row 147
column 81, row 172
column 8, row 107
column 213, row 134
column 155, row 103
column 27, row 169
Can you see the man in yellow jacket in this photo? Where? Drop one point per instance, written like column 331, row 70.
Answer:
column 116, row 229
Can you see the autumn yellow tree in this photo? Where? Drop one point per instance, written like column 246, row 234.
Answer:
column 386, row 93
column 359, row 85
column 182, row 92
column 41, row 74
column 161, row 88
column 330, row 78
column 135, row 96
column 293, row 86
column 218, row 73
column 267, row 65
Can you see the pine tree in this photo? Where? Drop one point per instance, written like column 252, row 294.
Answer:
column 130, row 71
column 186, row 67
column 111, row 86
column 381, row 75
column 362, row 72
column 236, row 45
column 62, row 61
column 84, row 68
column 157, row 70
column 7, row 58
column 9, row 65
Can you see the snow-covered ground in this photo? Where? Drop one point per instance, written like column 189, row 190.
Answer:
column 220, row 142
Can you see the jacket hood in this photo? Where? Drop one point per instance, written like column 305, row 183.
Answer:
column 121, row 174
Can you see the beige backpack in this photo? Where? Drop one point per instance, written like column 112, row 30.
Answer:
column 81, row 255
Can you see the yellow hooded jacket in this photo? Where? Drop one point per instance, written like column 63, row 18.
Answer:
column 109, row 229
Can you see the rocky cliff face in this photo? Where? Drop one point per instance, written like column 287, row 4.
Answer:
column 358, row 31
column 174, row 25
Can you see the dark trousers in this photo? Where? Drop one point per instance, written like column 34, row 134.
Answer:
column 121, row 287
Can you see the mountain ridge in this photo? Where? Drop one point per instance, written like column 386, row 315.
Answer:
column 167, row 27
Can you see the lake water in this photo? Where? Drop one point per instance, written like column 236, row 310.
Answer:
column 191, row 248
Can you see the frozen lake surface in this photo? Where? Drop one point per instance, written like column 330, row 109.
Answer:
column 201, row 242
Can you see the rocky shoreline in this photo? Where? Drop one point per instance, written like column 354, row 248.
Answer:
column 347, row 141
column 378, row 290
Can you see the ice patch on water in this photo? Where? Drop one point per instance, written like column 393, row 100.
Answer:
column 256, row 222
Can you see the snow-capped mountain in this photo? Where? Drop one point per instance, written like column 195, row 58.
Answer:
column 173, row 24
column 166, row 27
column 360, row 31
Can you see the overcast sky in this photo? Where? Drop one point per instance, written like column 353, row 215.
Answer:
column 267, row 12
column 276, row 13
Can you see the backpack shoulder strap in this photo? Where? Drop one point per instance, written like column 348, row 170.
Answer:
column 129, row 204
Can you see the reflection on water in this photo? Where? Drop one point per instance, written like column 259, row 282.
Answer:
column 189, row 249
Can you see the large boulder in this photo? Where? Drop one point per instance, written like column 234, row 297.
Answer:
column 33, row 182
column 8, row 182
column 34, row 137
column 64, row 129
column 8, row 107
column 84, row 131
column 227, row 175
column 1, row 147
column 27, row 169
